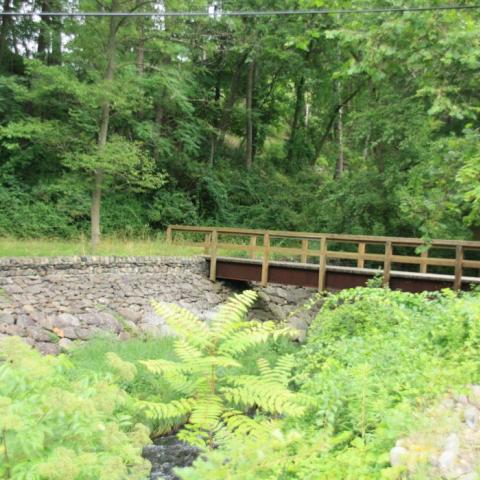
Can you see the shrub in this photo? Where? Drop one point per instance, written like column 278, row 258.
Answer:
column 54, row 428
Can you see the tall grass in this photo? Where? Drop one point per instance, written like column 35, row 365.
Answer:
column 48, row 247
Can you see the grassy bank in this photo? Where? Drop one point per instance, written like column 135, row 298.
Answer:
column 13, row 247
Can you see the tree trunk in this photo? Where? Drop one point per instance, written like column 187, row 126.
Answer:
column 340, row 167
column 298, row 113
column 55, row 57
column 226, row 117
column 103, row 131
column 43, row 42
column 249, row 114
column 49, row 43
column 4, row 28
column 95, row 211
column 213, row 139
column 140, row 54
column 159, row 113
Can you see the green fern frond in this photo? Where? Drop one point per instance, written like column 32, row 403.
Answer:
column 269, row 397
column 237, row 422
column 207, row 411
column 126, row 370
column 161, row 367
column 185, row 351
column 281, row 373
column 263, row 366
column 232, row 314
column 207, row 362
column 240, row 342
column 184, row 323
column 167, row 411
column 181, row 383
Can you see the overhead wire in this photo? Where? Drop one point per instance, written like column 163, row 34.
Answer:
column 246, row 13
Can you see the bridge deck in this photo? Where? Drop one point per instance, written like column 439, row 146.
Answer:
column 333, row 261
column 336, row 277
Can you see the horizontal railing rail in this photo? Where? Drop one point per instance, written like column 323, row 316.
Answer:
column 212, row 242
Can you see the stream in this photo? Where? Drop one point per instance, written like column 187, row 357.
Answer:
column 167, row 453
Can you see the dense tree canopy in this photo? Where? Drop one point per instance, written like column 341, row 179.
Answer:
column 353, row 123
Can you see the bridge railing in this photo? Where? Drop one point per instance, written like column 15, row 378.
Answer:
column 387, row 254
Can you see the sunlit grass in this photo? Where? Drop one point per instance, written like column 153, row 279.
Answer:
column 13, row 247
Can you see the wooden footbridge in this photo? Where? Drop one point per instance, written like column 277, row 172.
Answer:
column 332, row 261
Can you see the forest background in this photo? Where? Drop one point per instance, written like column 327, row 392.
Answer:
column 341, row 123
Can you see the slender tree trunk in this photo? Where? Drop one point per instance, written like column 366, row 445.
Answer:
column 4, row 28
column 55, row 57
column 340, row 167
column 140, row 54
column 249, row 114
column 226, row 117
column 43, row 42
column 103, row 132
column 214, row 138
column 298, row 114
column 95, row 212
column 159, row 113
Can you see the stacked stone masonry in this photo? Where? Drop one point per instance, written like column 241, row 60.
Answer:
column 54, row 301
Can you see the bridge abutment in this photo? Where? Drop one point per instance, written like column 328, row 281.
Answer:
column 51, row 302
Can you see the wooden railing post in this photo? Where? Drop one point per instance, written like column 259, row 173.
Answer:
column 213, row 256
column 387, row 264
column 303, row 257
column 457, row 285
column 423, row 260
column 169, row 235
column 208, row 242
column 361, row 253
column 266, row 256
column 253, row 244
column 322, row 270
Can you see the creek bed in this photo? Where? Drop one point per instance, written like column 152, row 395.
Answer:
column 167, row 453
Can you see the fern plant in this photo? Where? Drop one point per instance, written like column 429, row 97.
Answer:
column 214, row 400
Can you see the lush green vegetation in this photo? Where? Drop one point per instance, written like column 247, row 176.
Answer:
column 358, row 123
column 53, row 427
column 374, row 360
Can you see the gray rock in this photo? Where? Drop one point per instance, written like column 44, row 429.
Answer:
column 7, row 319
column 25, row 321
column 128, row 314
column 48, row 348
column 65, row 344
column 84, row 333
column 67, row 320
column 452, row 442
column 70, row 333
column 39, row 334
column 28, row 308
column 300, row 326
column 471, row 415
column 398, row 456
column 448, row 457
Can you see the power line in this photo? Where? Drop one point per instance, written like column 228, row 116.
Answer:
column 244, row 13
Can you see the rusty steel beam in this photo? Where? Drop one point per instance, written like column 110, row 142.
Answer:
column 304, row 275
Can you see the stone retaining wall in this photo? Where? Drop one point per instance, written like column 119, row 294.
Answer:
column 54, row 301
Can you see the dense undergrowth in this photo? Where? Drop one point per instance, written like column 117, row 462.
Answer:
column 374, row 359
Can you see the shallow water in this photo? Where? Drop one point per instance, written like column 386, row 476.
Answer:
column 167, row 453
